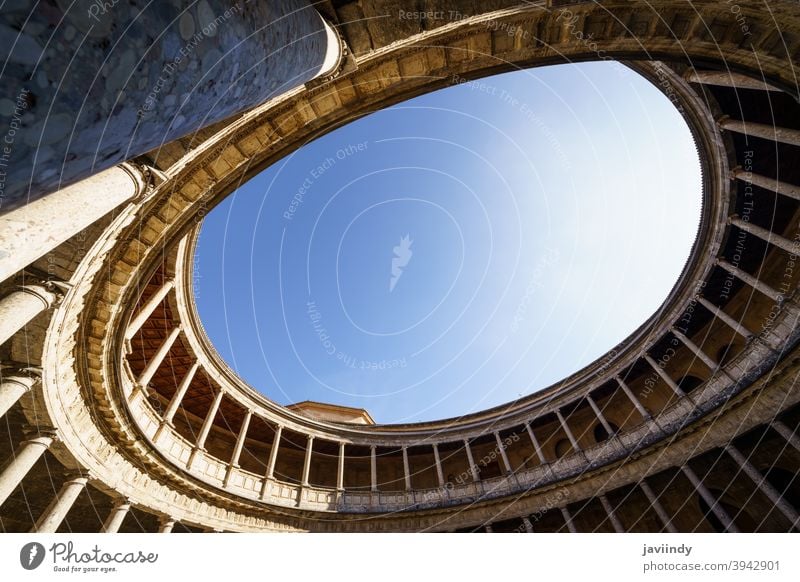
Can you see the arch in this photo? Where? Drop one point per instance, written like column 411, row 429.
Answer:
column 601, row 434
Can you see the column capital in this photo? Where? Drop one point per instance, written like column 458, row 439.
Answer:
column 166, row 523
column 32, row 433
column 72, row 474
column 338, row 60
column 56, row 286
column 78, row 478
column 26, row 380
column 45, row 291
column 145, row 178
column 678, row 332
column 120, row 502
column 22, row 369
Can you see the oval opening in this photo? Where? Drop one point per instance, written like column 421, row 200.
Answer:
column 457, row 251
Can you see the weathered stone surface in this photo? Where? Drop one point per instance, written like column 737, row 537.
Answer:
column 140, row 79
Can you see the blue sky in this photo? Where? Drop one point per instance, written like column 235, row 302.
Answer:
column 456, row 251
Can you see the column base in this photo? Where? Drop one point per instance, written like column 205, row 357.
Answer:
column 266, row 488
column 161, row 427
column 138, row 392
column 193, row 457
column 228, row 473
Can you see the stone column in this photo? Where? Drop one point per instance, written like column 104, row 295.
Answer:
column 725, row 318
column 535, row 442
column 406, row 469
column 19, row 307
column 472, row 467
column 438, row 461
column 24, row 458
column 752, row 281
column 12, row 388
column 174, row 69
column 373, row 468
column 782, row 430
column 166, row 524
column 727, row 79
column 307, row 462
column 701, row 489
column 209, row 419
column 60, row 506
column 273, row 453
column 638, row 405
column 273, row 457
column 340, row 469
column 237, row 450
column 501, row 447
column 158, row 358
column 206, row 428
column 612, row 516
column 600, row 415
column 782, row 188
column 177, row 398
column 116, row 517
column 570, row 436
column 791, row 247
column 764, row 131
column 145, row 312
column 664, row 376
column 33, row 230
column 657, row 507
column 693, row 347
column 568, row 519
column 764, row 486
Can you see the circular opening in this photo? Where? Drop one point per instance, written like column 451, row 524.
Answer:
column 457, row 251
